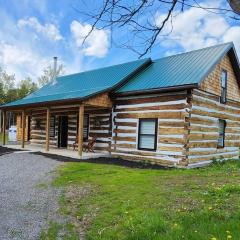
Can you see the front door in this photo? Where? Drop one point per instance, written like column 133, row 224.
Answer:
column 62, row 131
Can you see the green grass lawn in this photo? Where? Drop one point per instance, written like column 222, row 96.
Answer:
column 113, row 202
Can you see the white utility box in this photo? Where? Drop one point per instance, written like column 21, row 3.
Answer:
column 12, row 134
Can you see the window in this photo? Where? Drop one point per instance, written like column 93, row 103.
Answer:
column 223, row 98
column 52, row 126
column 38, row 124
column 85, row 126
column 147, row 134
column 221, row 131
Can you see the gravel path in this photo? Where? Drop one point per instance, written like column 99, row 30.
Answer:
column 27, row 201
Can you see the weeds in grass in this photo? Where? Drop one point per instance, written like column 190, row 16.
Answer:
column 52, row 231
column 196, row 204
column 224, row 190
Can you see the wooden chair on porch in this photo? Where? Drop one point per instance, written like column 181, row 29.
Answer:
column 89, row 147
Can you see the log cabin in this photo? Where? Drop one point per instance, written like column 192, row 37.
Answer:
column 181, row 110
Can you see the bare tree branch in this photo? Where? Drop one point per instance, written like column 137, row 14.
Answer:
column 139, row 19
column 154, row 37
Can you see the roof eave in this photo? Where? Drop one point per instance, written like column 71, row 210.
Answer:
column 41, row 104
column 156, row 90
column 234, row 60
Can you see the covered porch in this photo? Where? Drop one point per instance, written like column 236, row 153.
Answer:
column 56, row 151
column 58, row 128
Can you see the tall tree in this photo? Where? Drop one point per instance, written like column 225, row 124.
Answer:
column 49, row 74
column 1, row 93
column 9, row 91
column 7, row 85
column 7, row 80
column 25, row 87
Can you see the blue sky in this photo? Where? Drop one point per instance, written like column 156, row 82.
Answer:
column 33, row 31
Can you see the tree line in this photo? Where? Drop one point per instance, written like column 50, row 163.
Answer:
column 10, row 90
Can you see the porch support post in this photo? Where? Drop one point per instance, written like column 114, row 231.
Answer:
column 48, row 129
column 4, row 127
column 80, row 129
column 1, row 113
column 23, row 128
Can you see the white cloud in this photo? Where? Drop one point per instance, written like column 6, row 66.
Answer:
column 25, row 53
column 233, row 34
column 97, row 44
column 49, row 30
column 196, row 28
column 21, row 61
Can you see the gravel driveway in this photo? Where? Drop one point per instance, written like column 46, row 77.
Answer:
column 27, row 201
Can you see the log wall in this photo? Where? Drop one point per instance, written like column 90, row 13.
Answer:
column 99, row 126
column 205, row 113
column 187, row 131
column 19, row 127
column 170, row 109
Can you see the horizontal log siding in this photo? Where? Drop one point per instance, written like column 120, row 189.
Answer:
column 38, row 133
column 102, row 132
column 19, row 127
column 203, row 125
column 171, row 109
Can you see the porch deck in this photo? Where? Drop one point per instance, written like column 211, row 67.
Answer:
column 61, row 152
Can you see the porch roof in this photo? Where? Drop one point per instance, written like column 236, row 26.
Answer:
column 82, row 85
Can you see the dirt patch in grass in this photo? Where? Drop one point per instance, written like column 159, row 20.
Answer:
column 105, row 160
column 77, row 218
column 81, row 220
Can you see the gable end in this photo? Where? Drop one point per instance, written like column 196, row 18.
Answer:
column 212, row 83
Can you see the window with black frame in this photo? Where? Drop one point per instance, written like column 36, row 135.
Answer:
column 223, row 98
column 221, row 132
column 147, row 134
column 52, row 126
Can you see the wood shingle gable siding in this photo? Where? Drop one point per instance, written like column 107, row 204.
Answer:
column 101, row 100
column 212, row 83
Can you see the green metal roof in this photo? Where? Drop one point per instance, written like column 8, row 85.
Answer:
column 178, row 70
column 82, row 85
column 186, row 69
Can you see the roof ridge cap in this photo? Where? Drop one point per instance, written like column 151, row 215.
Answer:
column 195, row 50
column 96, row 69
